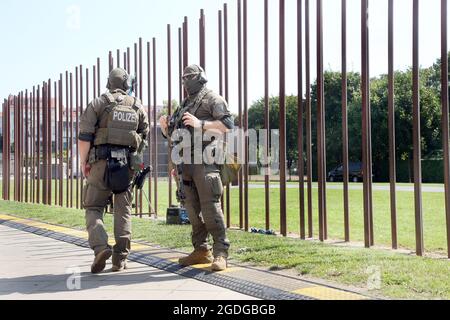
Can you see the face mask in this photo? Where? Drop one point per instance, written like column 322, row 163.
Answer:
column 192, row 85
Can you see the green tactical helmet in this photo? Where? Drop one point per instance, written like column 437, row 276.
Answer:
column 120, row 79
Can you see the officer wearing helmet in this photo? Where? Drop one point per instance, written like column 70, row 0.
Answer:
column 113, row 131
column 203, row 111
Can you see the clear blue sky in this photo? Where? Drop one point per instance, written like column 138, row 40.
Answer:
column 43, row 38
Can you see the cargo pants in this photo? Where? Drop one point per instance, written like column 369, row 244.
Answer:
column 203, row 190
column 95, row 199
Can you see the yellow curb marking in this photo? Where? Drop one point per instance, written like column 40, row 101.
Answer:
column 139, row 247
column 324, row 293
column 8, row 218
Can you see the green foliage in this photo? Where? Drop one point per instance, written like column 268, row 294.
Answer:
column 430, row 102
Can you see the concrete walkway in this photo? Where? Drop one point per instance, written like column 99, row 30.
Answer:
column 39, row 268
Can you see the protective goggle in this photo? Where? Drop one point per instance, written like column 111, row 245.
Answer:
column 189, row 76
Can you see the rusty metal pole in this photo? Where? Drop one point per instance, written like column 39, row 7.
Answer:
column 241, row 137
column 94, row 81
column 180, row 64
column 345, row 156
column 87, row 88
column 445, row 110
column 226, row 72
column 66, row 108
column 78, row 117
column 149, row 102
column 15, row 146
column 125, row 60
column 320, row 123
column 391, row 125
column 185, row 43
column 77, row 155
column 38, row 151
column 110, row 61
column 308, row 118
column 169, row 101
column 61, row 140
column 26, row 147
column 202, row 39
column 34, row 144
column 31, row 144
column 22, row 148
column 366, row 136
column 3, row 150
column 267, row 112
column 416, row 133
column 21, row 139
column 220, row 46
column 136, row 191
column 18, row 150
column 140, row 83
column 44, row 143
column 56, row 142
column 246, row 145
column 128, row 60
column 300, row 106
column 155, row 128
column 99, row 78
column 71, row 138
column 50, row 143
column 283, row 209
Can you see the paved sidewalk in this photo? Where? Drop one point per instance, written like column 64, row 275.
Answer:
column 39, row 268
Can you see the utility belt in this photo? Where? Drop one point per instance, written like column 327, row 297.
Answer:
column 106, row 152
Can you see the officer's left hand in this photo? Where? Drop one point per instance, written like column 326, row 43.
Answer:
column 191, row 121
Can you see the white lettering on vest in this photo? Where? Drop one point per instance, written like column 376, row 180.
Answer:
column 124, row 117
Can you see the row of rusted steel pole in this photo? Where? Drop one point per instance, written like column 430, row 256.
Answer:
column 33, row 140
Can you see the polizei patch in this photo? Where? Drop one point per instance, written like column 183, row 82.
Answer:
column 124, row 116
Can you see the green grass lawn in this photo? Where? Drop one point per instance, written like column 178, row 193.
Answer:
column 433, row 214
column 402, row 276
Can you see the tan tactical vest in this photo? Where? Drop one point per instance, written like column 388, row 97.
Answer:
column 119, row 122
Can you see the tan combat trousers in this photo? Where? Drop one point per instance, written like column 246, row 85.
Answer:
column 203, row 190
column 95, row 199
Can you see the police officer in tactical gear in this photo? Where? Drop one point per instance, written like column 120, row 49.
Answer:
column 113, row 130
column 205, row 111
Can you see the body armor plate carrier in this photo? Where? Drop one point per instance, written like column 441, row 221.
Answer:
column 119, row 123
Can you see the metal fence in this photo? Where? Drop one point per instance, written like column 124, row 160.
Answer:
column 44, row 121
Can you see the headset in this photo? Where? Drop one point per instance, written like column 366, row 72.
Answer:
column 129, row 83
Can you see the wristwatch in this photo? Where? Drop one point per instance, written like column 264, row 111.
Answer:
column 203, row 124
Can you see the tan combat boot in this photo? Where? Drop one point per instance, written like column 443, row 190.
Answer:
column 196, row 257
column 100, row 261
column 119, row 265
column 220, row 264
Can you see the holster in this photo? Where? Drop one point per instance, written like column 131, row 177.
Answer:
column 117, row 174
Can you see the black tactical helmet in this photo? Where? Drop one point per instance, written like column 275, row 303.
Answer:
column 120, row 79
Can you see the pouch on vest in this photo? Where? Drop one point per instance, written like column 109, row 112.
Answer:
column 117, row 173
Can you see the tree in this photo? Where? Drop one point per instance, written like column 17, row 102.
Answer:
column 431, row 132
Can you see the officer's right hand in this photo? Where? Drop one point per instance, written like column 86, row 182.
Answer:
column 164, row 123
column 86, row 169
